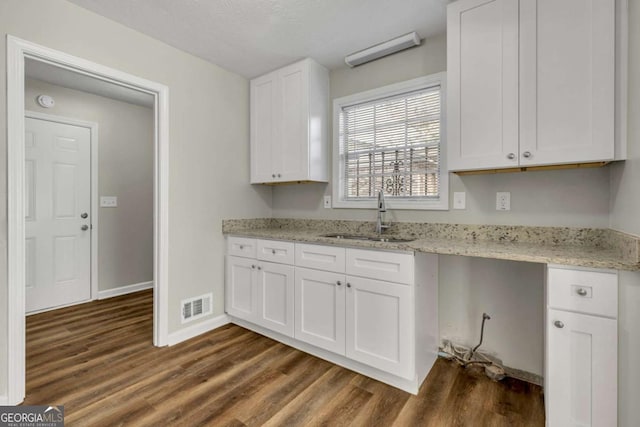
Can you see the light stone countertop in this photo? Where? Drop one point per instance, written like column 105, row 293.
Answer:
column 596, row 248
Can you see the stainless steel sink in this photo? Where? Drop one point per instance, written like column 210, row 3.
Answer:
column 389, row 239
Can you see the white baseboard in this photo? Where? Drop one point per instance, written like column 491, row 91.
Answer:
column 123, row 290
column 197, row 329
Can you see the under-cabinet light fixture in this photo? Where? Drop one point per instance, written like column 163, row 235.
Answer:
column 383, row 49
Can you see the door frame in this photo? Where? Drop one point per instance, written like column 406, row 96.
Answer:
column 17, row 50
column 94, row 145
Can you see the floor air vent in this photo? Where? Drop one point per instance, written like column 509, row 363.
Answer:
column 194, row 308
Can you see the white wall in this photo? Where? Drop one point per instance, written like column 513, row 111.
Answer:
column 625, row 216
column 573, row 198
column 208, row 126
column 125, row 167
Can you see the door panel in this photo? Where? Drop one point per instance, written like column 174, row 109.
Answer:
column 275, row 291
column 292, row 145
column 320, row 309
column 57, row 192
column 379, row 328
column 567, row 80
column 241, row 299
column 582, row 370
column 263, row 137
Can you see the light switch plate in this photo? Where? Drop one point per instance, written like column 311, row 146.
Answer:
column 327, row 202
column 459, row 200
column 108, row 201
column 503, row 201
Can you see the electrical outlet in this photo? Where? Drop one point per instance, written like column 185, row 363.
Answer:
column 503, row 201
column 108, row 202
column 327, row 202
column 459, row 200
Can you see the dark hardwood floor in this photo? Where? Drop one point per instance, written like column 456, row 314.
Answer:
column 98, row 360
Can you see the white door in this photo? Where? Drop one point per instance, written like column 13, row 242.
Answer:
column 319, row 309
column 567, row 77
column 263, row 120
column 240, row 292
column 292, row 145
column 582, row 370
column 379, row 327
column 57, row 209
column 275, row 297
column 482, row 84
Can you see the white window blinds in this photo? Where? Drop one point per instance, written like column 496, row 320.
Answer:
column 392, row 144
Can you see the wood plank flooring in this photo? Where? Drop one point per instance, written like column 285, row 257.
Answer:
column 98, row 360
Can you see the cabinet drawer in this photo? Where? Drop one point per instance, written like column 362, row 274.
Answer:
column 590, row 292
column 241, row 246
column 388, row 266
column 276, row 251
column 330, row 258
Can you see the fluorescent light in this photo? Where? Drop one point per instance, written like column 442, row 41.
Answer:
column 383, row 49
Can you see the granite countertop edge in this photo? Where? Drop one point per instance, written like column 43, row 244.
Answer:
column 572, row 255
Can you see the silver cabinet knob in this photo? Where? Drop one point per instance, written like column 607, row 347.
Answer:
column 558, row 324
column 511, row 156
column 348, row 285
column 241, row 247
column 273, row 251
column 259, row 268
column 253, row 266
column 273, row 175
column 85, row 227
column 279, row 175
column 582, row 292
column 339, row 283
column 84, row 215
column 526, row 154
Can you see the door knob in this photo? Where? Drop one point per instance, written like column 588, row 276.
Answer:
column 85, row 227
column 84, row 215
column 558, row 324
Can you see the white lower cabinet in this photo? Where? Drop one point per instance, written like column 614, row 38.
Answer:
column 241, row 294
column 332, row 303
column 260, row 292
column 581, row 355
column 379, row 325
column 320, row 309
column 275, row 297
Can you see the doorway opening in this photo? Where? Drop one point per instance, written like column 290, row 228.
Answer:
column 18, row 51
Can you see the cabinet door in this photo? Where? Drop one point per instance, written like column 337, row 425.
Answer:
column 582, row 370
column 241, row 291
column 264, row 114
column 319, row 309
column 482, row 84
column 291, row 151
column 567, row 75
column 275, row 297
column 380, row 331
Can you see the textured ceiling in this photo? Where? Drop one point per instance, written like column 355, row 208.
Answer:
column 251, row 37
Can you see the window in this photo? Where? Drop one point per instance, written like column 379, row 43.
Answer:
column 391, row 139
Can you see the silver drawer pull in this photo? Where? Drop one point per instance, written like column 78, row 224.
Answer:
column 339, row 283
column 273, row 251
column 348, row 285
column 241, row 247
column 582, row 292
column 253, row 266
column 259, row 268
column 558, row 324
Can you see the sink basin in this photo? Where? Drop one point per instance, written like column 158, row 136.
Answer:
column 346, row 236
column 389, row 239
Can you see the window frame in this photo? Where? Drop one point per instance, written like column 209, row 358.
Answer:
column 339, row 201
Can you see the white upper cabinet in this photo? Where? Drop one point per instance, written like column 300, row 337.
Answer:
column 289, row 109
column 531, row 82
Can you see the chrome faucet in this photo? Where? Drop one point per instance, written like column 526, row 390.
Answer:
column 380, row 226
